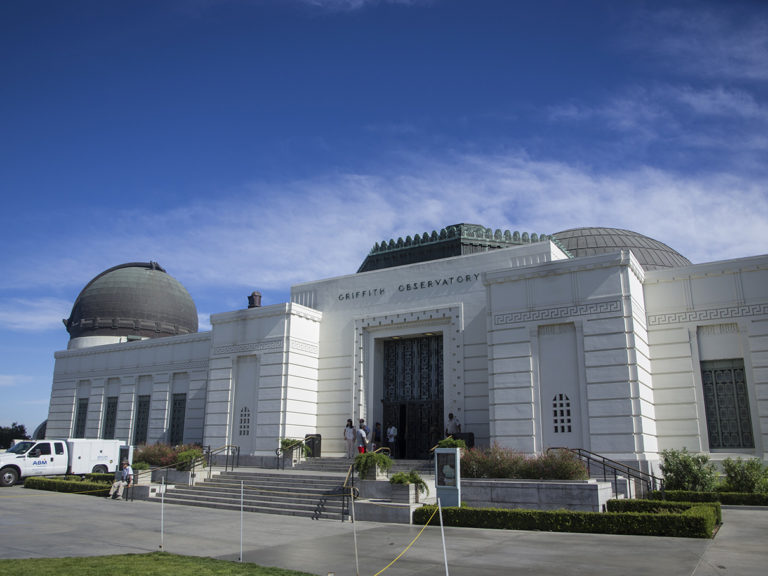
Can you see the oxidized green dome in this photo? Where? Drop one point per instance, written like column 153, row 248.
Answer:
column 136, row 299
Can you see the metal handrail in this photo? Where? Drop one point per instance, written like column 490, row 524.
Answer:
column 230, row 450
column 281, row 451
column 646, row 478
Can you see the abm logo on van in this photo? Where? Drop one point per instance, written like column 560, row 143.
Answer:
column 39, row 462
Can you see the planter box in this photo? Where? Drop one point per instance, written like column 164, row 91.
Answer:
column 173, row 477
column 405, row 493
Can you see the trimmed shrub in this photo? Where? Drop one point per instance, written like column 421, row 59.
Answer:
column 685, row 471
column 745, row 475
column 100, row 478
column 660, row 506
column 696, row 522
column 69, row 486
column 685, row 496
column 729, row 498
column 743, row 499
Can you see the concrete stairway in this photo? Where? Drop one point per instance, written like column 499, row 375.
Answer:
column 295, row 493
column 341, row 465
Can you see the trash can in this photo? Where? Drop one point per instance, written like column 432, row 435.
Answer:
column 314, row 444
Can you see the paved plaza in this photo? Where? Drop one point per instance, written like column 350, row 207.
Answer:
column 37, row 524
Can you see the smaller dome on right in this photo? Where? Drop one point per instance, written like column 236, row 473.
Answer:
column 651, row 253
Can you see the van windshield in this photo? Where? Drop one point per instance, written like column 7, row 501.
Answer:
column 21, row 447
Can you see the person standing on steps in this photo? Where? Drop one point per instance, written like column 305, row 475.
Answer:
column 362, row 439
column 377, row 437
column 453, row 426
column 392, row 439
column 350, row 434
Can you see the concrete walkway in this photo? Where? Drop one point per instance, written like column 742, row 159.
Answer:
column 37, row 524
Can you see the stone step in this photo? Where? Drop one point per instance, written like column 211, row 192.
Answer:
column 317, row 512
column 313, row 495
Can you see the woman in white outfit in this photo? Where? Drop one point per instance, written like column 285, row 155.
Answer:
column 350, row 434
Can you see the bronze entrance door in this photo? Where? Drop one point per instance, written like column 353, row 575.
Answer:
column 413, row 393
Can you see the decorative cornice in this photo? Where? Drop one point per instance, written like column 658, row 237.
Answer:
column 708, row 315
column 560, row 267
column 197, row 365
column 134, row 345
column 462, row 231
column 589, row 309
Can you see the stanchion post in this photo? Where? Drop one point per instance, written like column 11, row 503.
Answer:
column 442, row 533
column 162, row 515
column 354, row 531
column 242, row 507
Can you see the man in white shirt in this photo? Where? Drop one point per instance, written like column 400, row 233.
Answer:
column 453, row 426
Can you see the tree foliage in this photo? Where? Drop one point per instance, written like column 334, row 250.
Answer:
column 12, row 432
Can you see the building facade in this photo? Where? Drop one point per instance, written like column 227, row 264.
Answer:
column 599, row 339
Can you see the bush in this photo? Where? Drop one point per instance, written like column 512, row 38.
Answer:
column 557, row 465
column 499, row 462
column 748, row 476
column 697, row 521
column 163, row 455
column 289, row 444
column 730, row 498
column 660, row 506
column 411, row 477
column 155, row 454
column 369, row 461
column 70, row 486
column 185, row 459
column 452, row 443
column 685, row 471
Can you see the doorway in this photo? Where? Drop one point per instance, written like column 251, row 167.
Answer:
column 413, row 393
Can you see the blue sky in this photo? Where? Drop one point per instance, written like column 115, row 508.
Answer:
column 251, row 145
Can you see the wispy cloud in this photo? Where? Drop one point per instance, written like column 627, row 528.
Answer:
column 311, row 229
column 27, row 315
column 714, row 41
column 15, row 380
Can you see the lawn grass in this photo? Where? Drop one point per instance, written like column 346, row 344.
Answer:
column 151, row 564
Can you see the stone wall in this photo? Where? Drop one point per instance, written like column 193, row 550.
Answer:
column 584, row 496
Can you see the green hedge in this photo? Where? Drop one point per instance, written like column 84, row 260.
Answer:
column 730, row 498
column 695, row 522
column 70, row 486
column 661, row 507
column 102, row 478
column 743, row 499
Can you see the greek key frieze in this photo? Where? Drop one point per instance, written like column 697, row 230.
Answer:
column 306, row 347
column 274, row 344
column 558, row 313
column 708, row 314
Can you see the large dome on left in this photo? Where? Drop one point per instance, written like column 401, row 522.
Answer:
column 129, row 302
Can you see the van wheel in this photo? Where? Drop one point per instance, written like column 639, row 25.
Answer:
column 8, row 477
column 100, row 469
